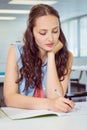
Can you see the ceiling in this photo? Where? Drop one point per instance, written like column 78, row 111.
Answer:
column 66, row 8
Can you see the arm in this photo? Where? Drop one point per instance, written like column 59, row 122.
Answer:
column 14, row 99
column 11, row 95
column 53, row 82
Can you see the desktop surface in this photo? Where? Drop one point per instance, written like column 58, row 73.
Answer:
column 46, row 123
column 72, row 122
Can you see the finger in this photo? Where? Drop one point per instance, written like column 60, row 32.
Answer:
column 64, row 108
column 58, row 46
column 70, row 103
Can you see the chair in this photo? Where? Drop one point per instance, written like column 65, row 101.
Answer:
column 76, row 80
column 79, row 93
column 76, row 94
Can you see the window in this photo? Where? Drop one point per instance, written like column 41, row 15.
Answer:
column 75, row 31
column 83, row 36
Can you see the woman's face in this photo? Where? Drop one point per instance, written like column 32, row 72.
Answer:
column 46, row 32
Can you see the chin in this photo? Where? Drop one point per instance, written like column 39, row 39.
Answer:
column 49, row 50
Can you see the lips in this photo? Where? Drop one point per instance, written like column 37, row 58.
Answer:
column 50, row 44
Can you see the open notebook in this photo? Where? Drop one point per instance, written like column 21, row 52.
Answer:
column 15, row 113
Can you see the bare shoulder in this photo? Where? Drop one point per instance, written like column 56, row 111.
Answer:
column 11, row 57
column 11, row 48
column 70, row 56
column 70, row 61
column 11, row 51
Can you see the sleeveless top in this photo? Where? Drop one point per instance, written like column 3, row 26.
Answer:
column 31, row 90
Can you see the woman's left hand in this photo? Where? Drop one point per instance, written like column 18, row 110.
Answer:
column 57, row 47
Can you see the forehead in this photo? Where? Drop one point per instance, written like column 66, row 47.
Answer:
column 47, row 21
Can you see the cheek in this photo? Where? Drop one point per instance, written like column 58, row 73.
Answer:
column 58, row 34
column 56, row 37
column 38, row 40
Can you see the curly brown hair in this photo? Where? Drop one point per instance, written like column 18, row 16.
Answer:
column 31, row 69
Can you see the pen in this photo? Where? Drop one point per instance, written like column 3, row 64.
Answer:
column 57, row 92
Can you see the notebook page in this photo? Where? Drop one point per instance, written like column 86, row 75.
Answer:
column 15, row 113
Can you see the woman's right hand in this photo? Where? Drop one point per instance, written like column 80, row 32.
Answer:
column 61, row 104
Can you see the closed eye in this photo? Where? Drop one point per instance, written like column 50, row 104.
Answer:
column 42, row 33
column 55, row 31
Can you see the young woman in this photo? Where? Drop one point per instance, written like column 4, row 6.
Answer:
column 38, row 70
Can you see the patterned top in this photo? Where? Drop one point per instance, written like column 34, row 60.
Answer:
column 30, row 91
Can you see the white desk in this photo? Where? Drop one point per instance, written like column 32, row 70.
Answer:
column 73, row 122
column 81, row 67
column 2, row 78
column 46, row 123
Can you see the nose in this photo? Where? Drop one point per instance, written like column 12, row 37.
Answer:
column 50, row 37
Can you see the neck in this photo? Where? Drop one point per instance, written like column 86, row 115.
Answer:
column 43, row 56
